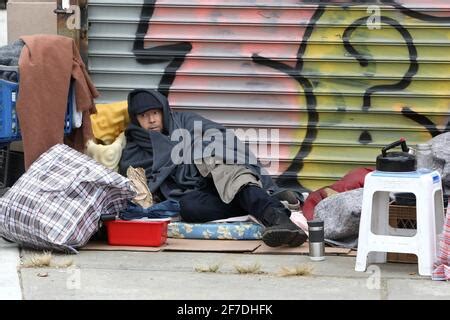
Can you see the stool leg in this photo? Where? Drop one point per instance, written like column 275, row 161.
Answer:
column 439, row 211
column 431, row 223
column 380, row 223
column 426, row 233
column 364, row 230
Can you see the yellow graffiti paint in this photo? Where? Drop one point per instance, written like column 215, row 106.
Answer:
column 340, row 84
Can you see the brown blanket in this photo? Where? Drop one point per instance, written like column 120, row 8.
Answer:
column 47, row 64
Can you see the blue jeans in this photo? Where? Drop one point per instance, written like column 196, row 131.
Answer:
column 206, row 205
column 165, row 209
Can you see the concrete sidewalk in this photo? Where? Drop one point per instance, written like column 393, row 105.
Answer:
column 9, row 275
column 172, row 275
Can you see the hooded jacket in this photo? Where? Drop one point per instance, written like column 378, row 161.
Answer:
column 152, row 150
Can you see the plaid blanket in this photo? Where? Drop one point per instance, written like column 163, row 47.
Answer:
column 442, row 266
column 58, row 202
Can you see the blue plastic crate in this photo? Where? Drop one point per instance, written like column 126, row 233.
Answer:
column 9, row 122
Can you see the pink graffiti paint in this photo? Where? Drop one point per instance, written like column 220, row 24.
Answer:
column 223, row 41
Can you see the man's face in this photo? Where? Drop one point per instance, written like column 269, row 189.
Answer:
column 151, row 119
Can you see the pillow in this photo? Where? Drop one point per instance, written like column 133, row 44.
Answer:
column 110, row 120
column 108, row 155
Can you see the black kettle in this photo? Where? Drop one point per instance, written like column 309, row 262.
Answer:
column 396, row 161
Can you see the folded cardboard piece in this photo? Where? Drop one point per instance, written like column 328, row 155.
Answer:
column 184, row 245
column 211, row 245
column 237, row 246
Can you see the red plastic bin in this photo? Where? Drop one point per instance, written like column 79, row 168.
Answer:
column 149, row 233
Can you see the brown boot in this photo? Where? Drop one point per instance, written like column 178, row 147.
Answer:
column 289, row 199
column 280, row 230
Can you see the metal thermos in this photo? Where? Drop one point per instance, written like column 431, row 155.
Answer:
column 316, row 240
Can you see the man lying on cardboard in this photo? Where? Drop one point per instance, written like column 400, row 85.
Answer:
column 210, row 183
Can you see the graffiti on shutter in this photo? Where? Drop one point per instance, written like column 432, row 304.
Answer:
column 337, row 81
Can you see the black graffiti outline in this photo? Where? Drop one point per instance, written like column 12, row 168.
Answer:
column 142, row 54
column 138, row 50
column 311, row 102
column 405, row 82
column 424, row 121
column 406, row 111
column 412, row 51
column 415, row 14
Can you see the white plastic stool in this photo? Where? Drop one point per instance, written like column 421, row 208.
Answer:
column 377, row 237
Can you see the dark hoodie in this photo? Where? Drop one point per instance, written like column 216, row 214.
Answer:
column 152, row 150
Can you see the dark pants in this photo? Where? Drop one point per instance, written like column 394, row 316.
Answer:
column 206, row 205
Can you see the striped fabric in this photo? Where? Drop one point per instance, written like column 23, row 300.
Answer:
column 57, row 203
column 442, row 267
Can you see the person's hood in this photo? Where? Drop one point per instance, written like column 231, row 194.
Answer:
column 141, row 100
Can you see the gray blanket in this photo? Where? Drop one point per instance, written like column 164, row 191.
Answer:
column 153, row 151
column 441, row 157
column 9, row 56
column 341, row 214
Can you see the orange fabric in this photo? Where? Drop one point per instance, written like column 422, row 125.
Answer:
column 46, row 65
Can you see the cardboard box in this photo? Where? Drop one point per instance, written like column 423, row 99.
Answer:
column 31, row 17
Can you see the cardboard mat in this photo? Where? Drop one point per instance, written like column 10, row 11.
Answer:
column 237, row 246
column 184, row 245
column 211, row 245
column 303, row 249
column 103, row 246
